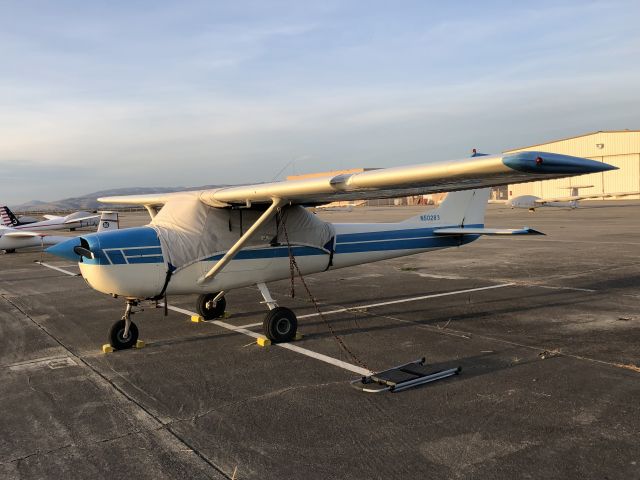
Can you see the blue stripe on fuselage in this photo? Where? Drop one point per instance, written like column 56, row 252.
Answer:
column 271, row 252
column 156, row 259
column 407, row 244
column 115, row 256
column 142, row 251
column 393, row 234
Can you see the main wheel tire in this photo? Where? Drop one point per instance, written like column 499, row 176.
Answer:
column 280, row 325
column 10, row 250
column 209, row 313
column 117, row 339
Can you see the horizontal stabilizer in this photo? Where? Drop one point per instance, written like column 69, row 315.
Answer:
column 487, row 231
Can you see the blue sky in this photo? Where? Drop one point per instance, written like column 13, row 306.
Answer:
column 97, row 95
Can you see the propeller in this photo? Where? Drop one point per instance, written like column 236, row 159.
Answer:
column 82, row 251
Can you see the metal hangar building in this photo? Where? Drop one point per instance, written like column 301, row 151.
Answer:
column 616, row 147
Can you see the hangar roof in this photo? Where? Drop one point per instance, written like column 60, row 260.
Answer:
column 571, row 138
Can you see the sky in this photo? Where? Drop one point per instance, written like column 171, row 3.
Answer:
column 107, row 94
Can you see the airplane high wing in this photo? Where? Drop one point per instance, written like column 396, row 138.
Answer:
column 471, row 173
column 208, row 242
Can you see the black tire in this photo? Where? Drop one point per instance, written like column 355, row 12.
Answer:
column 280, row 325
column 210, row 313
column 10, row 250
column 118, row 342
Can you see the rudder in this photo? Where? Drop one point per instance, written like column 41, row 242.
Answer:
column 108, row 221
column 7, row 217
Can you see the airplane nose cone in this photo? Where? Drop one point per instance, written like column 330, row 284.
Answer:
column 65, row 249
column 543, row 162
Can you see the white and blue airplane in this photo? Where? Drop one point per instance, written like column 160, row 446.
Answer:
column 211, row 241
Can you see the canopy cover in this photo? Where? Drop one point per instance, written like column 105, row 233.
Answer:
column 191, row 231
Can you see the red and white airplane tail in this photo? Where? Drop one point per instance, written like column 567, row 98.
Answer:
column 7, row 218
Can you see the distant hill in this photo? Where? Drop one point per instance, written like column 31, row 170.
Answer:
column 89, row 202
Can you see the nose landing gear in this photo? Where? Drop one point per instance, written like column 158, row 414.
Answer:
column 211, row 305
column 124, row 333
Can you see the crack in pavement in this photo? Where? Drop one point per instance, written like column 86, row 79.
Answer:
column 101, row 381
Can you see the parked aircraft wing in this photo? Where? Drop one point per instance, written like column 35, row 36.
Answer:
column 23, row 234
column 52, row 217
column 81, row 219
column 573, row 198
column 487, row 231
column 470, row 173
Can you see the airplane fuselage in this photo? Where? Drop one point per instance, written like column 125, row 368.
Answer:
column 56, row 224
column 532, row 202
column 130, row 262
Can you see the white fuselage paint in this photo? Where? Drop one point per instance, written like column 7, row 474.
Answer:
column 147, row 280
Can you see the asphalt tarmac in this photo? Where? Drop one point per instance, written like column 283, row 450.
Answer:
column 549, row 387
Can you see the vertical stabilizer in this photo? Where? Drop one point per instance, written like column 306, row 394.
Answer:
column 108, row 221
column 7, row 217
column 464, row 208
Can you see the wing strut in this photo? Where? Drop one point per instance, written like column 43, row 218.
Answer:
column 265, row 217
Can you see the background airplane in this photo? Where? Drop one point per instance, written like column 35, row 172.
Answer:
column 339, row 206
column 52, row 222
column 531, row 202
column 12, row 239
column 208, row 242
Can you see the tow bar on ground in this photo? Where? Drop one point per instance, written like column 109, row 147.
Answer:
column 402, row 377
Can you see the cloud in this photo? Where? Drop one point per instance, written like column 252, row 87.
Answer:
column 218, row 93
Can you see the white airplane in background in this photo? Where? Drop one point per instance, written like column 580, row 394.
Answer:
column 12, row 239
column 52, row 222
column 339, row 206
column 531, row 202
column 211, row 241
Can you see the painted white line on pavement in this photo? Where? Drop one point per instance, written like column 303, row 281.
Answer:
column 392, row 302
column 53, row 267
column 288, row 346
column 405, row 300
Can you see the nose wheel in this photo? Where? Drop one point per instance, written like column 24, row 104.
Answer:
column 211, row 305
column 124, row 333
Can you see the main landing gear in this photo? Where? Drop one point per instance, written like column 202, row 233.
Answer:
column 124, row 333
column 280, row 323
